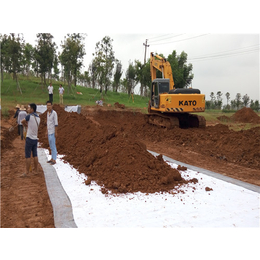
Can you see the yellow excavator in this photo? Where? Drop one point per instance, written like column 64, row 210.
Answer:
column 171, row 107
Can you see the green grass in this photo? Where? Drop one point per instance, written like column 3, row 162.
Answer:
column 33, row 92
column 211, row 115
column 5, row 112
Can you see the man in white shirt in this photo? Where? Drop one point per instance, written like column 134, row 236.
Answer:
column 50, row 88
column 52, row 124
column 32, row 122
column 61, row 91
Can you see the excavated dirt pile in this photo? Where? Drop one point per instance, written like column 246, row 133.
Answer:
column 246, row 115
column 217, row 143
column 7, row 135
column 109, row 156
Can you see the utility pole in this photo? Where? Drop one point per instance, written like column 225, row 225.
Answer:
column 146, row 45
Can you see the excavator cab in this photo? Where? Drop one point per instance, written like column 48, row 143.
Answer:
column 159, row 86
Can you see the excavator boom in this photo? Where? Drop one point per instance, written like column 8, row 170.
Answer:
column 161, row 64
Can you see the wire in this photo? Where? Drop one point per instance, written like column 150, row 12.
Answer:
column 166, row 38
column 227, row 51
column 160, row 36
column 181, row 40
column 224, row 55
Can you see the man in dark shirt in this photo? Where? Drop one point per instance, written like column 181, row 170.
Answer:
column 16, row 116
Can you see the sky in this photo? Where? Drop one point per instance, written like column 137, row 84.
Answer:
column 221, row 39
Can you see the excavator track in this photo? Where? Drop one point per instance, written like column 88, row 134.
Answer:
column 170, row 121
column 162, row 120
column 197, row 121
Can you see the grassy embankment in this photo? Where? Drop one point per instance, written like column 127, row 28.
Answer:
column 34, row 92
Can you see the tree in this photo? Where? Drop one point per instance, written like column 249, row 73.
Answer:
column 139, row 69
column 208, row 104
column 93, row 73
column 147, row 82
column 182, row 72
column 257, row 106
column 117, row 75
column 238, row 100
column 12, row 55
column 227, row 96
column 104, row 62
column 254, row 105
column 73, row 51
column 131, row 78
column 87, row 79
column 219, row 100
column 45, row 52
column 245, row 99
column 143, row 75
column 84, row 79
column 56, row 68
column 233, row 104
column 124, row 83
column 27, row 58
column 5, row 62
column 15, row 48
column 212, row 100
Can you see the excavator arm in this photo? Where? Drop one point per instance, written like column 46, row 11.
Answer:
column 161, row 64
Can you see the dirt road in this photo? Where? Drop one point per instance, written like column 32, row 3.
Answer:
column 109, row 146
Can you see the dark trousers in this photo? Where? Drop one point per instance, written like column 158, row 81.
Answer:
column 51, row 98
column 20, row 127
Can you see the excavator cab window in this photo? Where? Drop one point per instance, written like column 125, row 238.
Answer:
column 157, row 89
column 163, row 87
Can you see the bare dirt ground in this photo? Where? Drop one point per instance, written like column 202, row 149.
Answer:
column 25, row 201
column 216, row 148
column 109, row 145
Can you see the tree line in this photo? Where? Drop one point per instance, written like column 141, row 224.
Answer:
column 105, row 71
column 216, row 102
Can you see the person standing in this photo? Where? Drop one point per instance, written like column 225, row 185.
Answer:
column 50, row 88
column 61, row 91
column 32, row 121
column 51, row 132
column 16, row 116
column 22, row 114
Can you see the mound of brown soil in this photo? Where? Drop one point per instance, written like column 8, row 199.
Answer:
column 117, row 105
column 108, row 156
column 8, row 137
column 216, row 144
column 246, row 115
